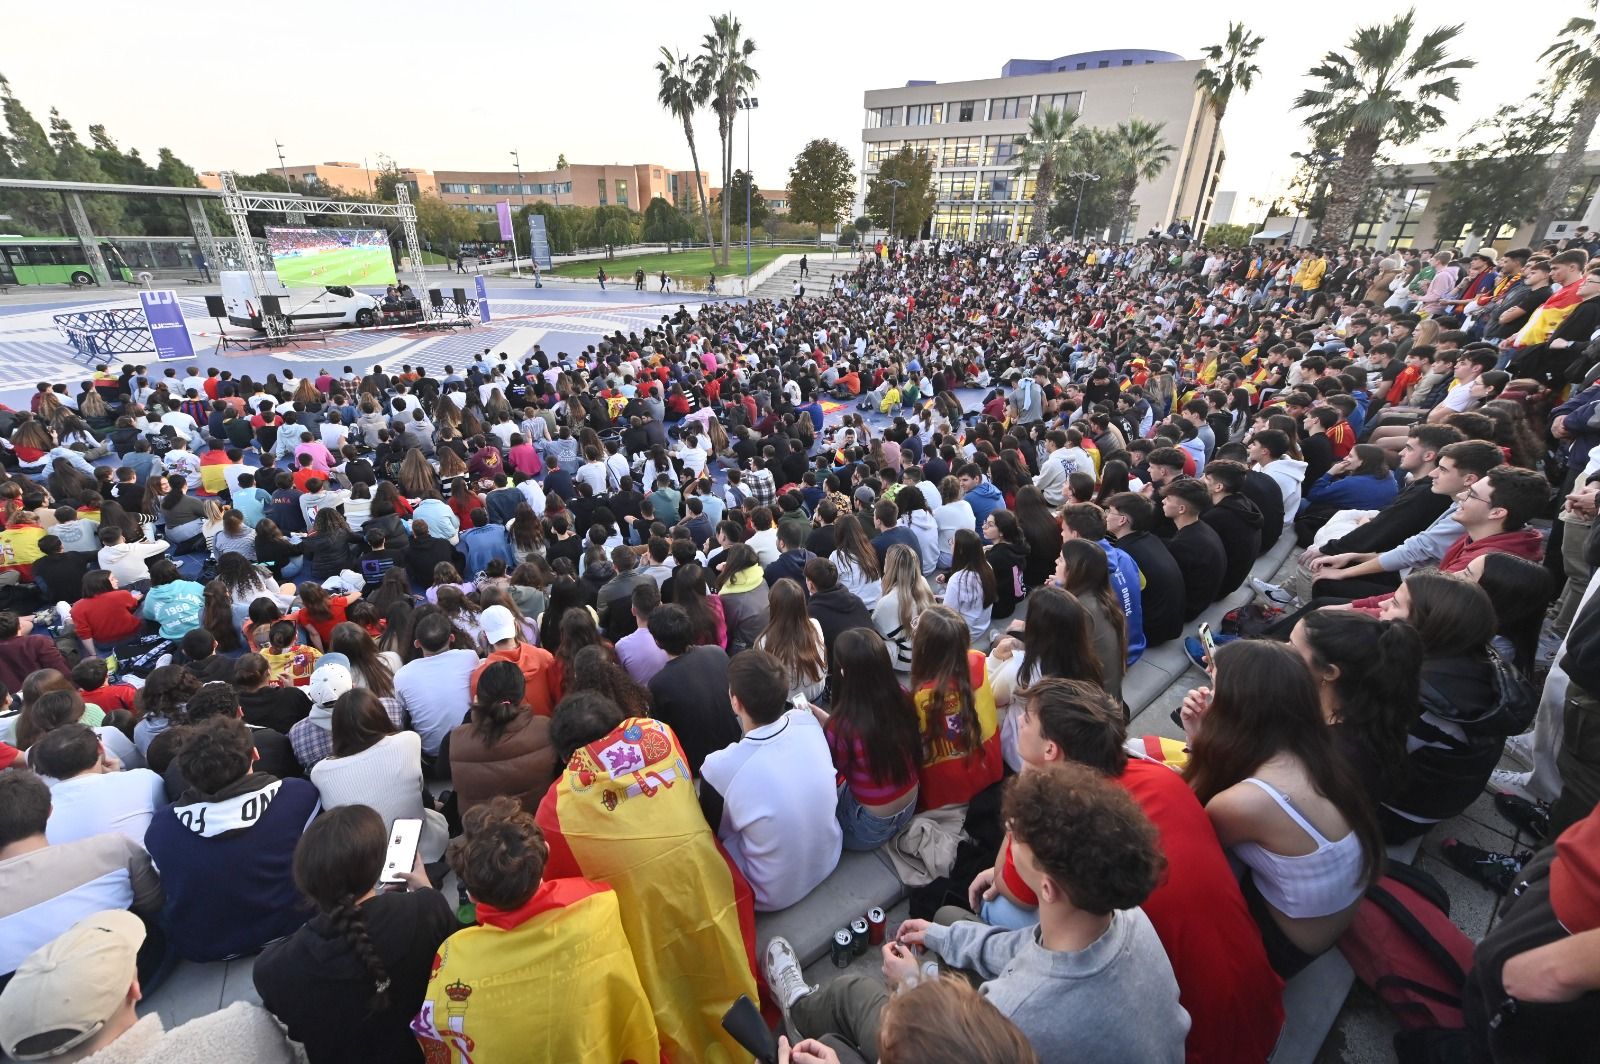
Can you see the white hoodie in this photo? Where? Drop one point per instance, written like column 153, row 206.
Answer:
column 1289, row 473
column 921, row 522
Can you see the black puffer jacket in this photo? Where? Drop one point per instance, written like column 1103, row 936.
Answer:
column 1449, row 763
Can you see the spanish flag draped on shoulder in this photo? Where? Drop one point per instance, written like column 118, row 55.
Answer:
column 624, row 812
column 1550, row 314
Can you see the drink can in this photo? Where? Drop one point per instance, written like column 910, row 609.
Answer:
column 859, row 929
column 875, row 926
column 843, row 948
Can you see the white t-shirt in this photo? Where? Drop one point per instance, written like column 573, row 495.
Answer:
column 97, row 802
column 1459, row 397
column 778, row 822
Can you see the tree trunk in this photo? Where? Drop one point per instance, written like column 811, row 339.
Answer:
column 1349, row 186
column 699, row 189
column 1583, row 121
column 1124, row 209
column 1041, row 199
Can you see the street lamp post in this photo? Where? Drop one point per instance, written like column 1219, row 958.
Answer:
column 747, row 104
column 522, row 195
column 1082, row 177
column 895, row 185
column 282, row 169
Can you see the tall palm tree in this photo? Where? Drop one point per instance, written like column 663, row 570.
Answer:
column 724, row 62
column 1574, row 60
column 1137, row 152
column 1382, row 90
column 1228, row 68
column 683, row 92
column 1045, row 148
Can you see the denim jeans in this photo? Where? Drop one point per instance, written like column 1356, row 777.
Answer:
column 292, row 570
column 864, row 831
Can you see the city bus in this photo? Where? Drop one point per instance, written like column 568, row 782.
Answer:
column 54, row 260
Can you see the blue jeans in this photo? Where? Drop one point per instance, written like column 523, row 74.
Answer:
column 292, row 570
column 864, row 831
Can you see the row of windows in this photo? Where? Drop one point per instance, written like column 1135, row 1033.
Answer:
column 952, row 151
column 550, row 188
column 989, row 185
column 998, row 109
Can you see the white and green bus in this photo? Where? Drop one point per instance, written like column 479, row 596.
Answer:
column 54, row 260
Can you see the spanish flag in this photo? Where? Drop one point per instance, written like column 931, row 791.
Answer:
column 553, row 981
column 624, row 812
column 1551, row 313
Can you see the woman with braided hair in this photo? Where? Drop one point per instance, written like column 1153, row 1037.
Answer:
column 348, row 982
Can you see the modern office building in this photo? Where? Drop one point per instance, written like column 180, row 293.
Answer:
column 971, row 129
column 582, row 184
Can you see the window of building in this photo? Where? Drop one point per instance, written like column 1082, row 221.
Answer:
column 924, row 114
column 622, row 193
column 1068, row 103
column 1412, row 203
column 1001, row 151
column 882, row 117
column 960, row 186
column 931, row 146
column 1127, row 62
column 880, row 150
column 1103, row 64
column 964, row 110
column 1082, row 66
column 962, row 151
column 601, row 182
column 1009, row 107
column 475, row 190
column 1578, row 196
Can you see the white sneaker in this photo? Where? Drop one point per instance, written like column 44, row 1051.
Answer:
column 1274, row 594
column 784, row 977
column 64, row 614
column 165, row 659
column 1505, row 779
column 1520, row 747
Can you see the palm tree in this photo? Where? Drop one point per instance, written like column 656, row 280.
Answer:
column 1229, row 67
column 1574, row 60
column 1138, row 152
column 682, row 92
column 1044, row 148
column 1381, row 91
column 724, row 62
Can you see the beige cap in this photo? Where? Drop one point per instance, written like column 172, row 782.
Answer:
column 67, row 990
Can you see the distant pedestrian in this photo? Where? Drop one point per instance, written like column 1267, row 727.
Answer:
column 536, row 282
column 799, row 290
column 805, row 268
column 461, row 262
column 666, row 282
column 600, row 275
column 638, row 279
column 202, row 266
column 711, row 284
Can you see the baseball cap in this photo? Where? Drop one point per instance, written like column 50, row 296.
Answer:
column 328, row 682
column 497, row 624
column 66, row 991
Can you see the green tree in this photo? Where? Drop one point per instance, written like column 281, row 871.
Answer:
column 1229, row 68
column 1492, row 177
column 664, row 224
column 682, row 89
column 862, row 226
column 1384, row 90
column 734, row 200
column 1229, row 235
column 25, row 152
column 383, row 185
column 724, row 62
column 558, row 228
column 1574, row 60
column 74, row 162
column 911, row 206
column 821, row 184
column 561, row 161
column 1045, row 148
column 1137, row 152
column 444, row 226
column 1093, row 213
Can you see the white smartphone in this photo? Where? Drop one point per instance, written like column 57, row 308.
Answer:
column 1206, row 640
column 402, row 855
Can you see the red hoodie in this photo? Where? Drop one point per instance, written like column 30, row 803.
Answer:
column 1522, row 543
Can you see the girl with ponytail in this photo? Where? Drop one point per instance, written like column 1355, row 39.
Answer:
column 348, row 982
column 503, row 749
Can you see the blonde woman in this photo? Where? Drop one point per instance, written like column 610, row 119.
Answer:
column 211, row 523
column 906, row 596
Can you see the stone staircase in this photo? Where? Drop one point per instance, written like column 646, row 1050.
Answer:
column 824, row 266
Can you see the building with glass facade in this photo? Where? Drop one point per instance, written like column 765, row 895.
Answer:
column 970, row 128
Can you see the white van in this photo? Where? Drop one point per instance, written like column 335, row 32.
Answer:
column 306, row 308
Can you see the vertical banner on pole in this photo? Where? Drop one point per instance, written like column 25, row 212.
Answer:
column 502, row 211
column 539, row 241
column 483, row 300
column 168, row 330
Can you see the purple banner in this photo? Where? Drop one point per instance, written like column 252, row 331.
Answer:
column 503, row 211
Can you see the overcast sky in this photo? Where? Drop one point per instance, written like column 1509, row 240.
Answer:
column 458, row 86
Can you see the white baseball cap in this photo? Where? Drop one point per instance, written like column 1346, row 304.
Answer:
column 328, row 681
column 66, row 991
column 497, row 623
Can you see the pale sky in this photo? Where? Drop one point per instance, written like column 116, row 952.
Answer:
column 458, row 86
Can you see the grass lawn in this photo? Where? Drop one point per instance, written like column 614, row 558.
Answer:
column 689, row 266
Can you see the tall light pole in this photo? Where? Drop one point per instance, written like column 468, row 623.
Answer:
column 282, row 169
column 895, row 185
column 522, row 195
column 747, row 104
column 1082, row 177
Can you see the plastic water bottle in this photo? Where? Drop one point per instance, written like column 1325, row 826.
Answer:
column 466, row 911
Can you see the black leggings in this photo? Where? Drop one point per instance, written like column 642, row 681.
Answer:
column 1286, row 958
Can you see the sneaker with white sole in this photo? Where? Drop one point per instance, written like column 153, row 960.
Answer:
column 1520, row 748
column 784, row 976
column 1278, row 596
column 64, row 614
column 1505, row 779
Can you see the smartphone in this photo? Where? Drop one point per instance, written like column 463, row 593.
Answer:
column 402, row 855
column 1208, row 641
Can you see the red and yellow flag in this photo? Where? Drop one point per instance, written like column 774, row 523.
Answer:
column 625, row 813
column 552, row 981
column 1550, row 314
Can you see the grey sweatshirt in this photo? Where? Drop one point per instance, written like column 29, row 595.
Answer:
column 1111, row 1003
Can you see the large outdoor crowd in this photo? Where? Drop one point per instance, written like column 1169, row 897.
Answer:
column 645, row 636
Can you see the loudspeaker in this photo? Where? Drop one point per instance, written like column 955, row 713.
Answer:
column 460, row 297
column 215, row 308
column 436, row 297
column 271, row 306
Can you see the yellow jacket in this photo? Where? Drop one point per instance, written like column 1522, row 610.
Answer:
column 1308, row 275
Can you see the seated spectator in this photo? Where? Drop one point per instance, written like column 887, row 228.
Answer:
column 544, row 945
column 650, row 842
column 1057, row 640
column 872, row 734
column 743, row 594
column 200, row 657
column 266, row 705
column 230, row 818
column 970, row 587
column 1361, row 480
column 772, row 793
column 272, row 752
column 637, row 652
column 506, row 642
column 320, row 612
column 1083, row 569
column 74, row 999
column 795, row 639
column 126, row 561
column 160, row 705
column 433, row 689
column 347, row 984
column 90, row 793
column 49, row 701
column 93, row 682
column 690, row 692
column 22, row 652
column 1092, row 857
column 290, row 661
column 59, row 573
column 1259, row 737
column 504, row 748
column 931, row 1019
column 1130, row 520
column 173, row 603
column 1269, row 454
column 374, row 764
column 831, row 606
column 906, row 597
column 955, row 711
column 1235, row 520
column 107, row 617
column 792, row 554
column 45, row 889
column 1195, row 546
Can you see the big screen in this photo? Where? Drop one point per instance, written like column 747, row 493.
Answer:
column 313, row 257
